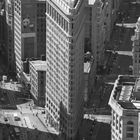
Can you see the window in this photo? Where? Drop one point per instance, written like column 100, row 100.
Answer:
column 130, row 123
column 72, row 26
column 71, row 131
column 129, row 135
column 129, row 129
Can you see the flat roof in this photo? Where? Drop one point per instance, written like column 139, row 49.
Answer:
column 127, row 105
column 39, row 65
column 25, row 77
column 126, row 92
column 12, row 94
column 91, row 2
column 87, row 67
column 137, row 85
column 41, row 0
column 13, row 86
column 28, row 117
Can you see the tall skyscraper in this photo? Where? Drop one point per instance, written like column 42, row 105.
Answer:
column 9, row 13
column 2, row 25
column 136, row 49
column 29, row 30
column 65, row 62
column 115, row 5
column 100, row 15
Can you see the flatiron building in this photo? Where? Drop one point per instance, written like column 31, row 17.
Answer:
column 65, row 62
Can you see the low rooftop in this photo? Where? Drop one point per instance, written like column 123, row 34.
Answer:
column 25, row 77
column 12, row 93
column 91, row 2
column 88, row 59
column 126, row 92
column 26, row 116
column 39, row 65
column 11, row 85
column 87, row 67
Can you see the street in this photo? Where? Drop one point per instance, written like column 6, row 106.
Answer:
column 3, row 64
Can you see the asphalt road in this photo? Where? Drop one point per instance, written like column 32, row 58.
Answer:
column 3, row 64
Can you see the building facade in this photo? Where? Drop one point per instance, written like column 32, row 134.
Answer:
column 41, row 28
column 30, row 27
column 38, row 81
column 98, row 28
column 9, row 12
column 25, row 125
column 124, row 102
column 136, row 49
column 65, row 62
column 115, row 5
column 100, row 18
column 2, row 26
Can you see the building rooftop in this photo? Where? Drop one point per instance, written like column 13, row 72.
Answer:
column 32, row 1
column 88, row 60
column 71, row 3
column 126, row 93
column 91, row 2
column 27, row 116
column 12, row 86
column 12, row 93
column 138, row 25
column 39, row 65
column 41, row 0
column 101, row 2
column 68, row 6
column 87, row 67
column 25, row 77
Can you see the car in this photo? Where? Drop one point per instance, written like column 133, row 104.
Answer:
column 16, row 118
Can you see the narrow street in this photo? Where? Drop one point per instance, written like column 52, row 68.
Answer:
column 3, row 63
